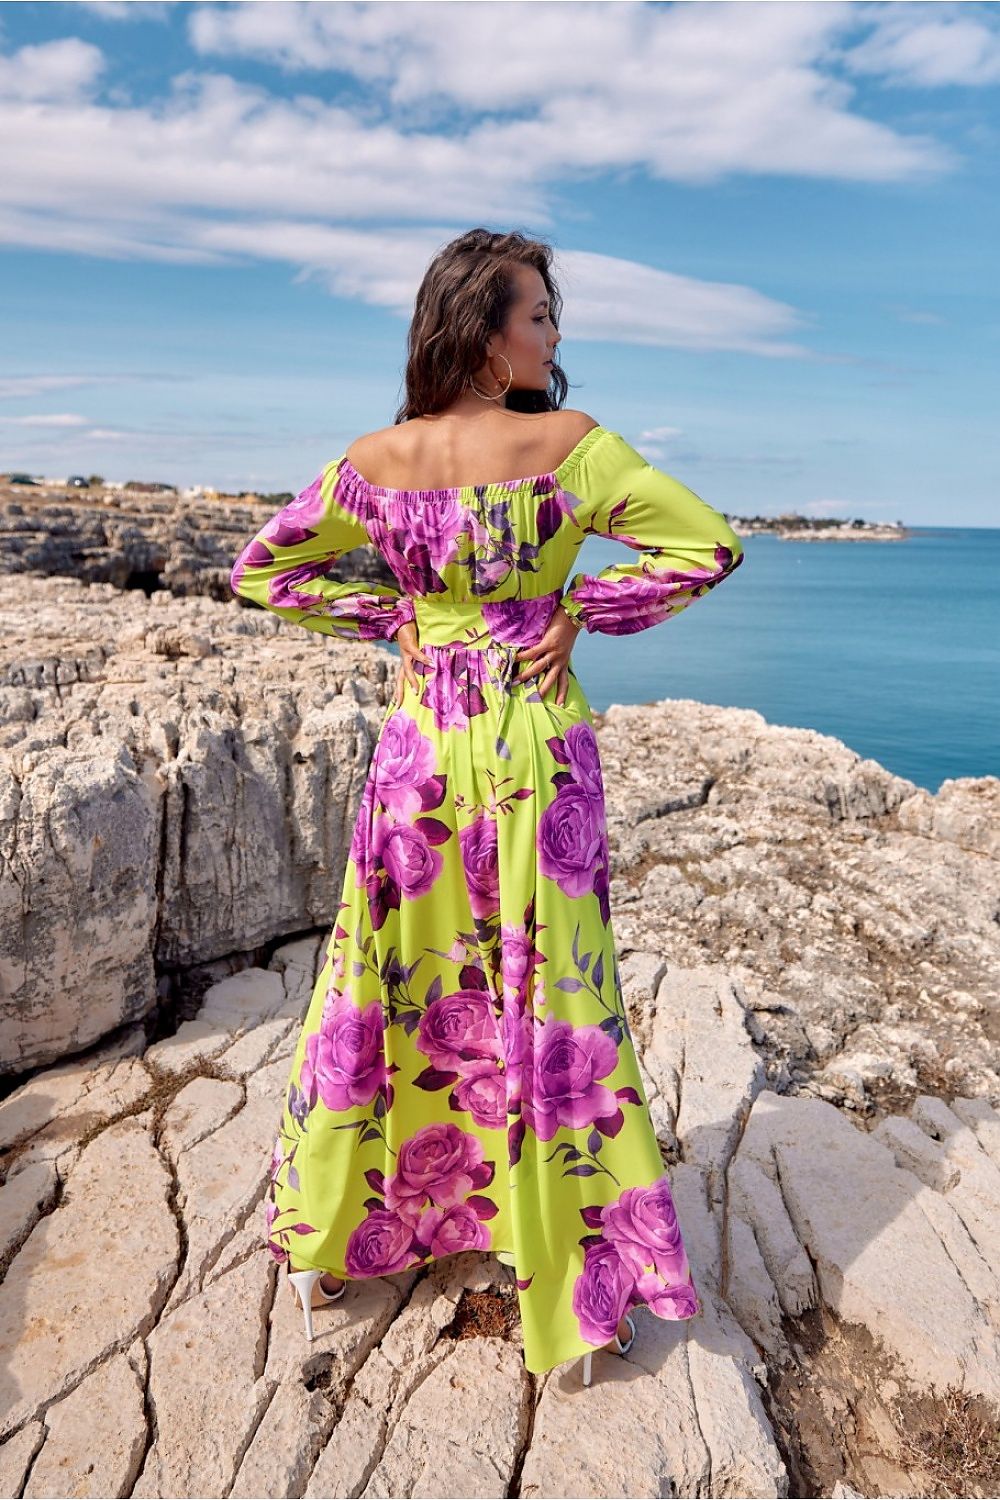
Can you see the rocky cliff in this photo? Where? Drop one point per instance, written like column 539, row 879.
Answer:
column 809, row 951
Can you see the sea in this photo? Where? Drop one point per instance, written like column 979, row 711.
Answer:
column 893, row 647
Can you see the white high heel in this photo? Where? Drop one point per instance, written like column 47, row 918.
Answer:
column 302, row 1283
column 620, row 1348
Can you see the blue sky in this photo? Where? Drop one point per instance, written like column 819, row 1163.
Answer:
column 775, row 229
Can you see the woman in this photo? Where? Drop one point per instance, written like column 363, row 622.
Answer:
column 465, row 1077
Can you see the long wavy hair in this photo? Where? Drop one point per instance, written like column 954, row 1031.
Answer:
column 466, row 295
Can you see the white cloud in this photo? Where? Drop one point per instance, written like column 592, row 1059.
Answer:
column 919, row 315
column 607, row 298
column 47, row 419
column 688, row 93
column 420, row 117
column 124, row 10
column 15, row 387
column 57, row 71
column 921, row 46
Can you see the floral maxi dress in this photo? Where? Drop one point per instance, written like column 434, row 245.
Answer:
column 465, row 1077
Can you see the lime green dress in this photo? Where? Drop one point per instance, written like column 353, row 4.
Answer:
column 465, row 1077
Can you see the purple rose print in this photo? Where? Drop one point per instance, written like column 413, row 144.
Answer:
column 436, row 1165
column 429, row 1206
column 483, row 1095
column 460, row 1228
column 570, row 840
column 627, row 603
column 345, row 1060
column 519, row 959
column 409, row 561
column 560, row 1086
column 294, row 523
column 353, row 498
column 585, row 759
column 453, row 687
column 379, row 1245
column 643, row 1227
column 361, row 845
column 601, row 1293
column 516, row 1028
column 405, row 762
column 284, row 591
column 395, row 858
column 478, row 842
column 417, row 533
column 572, row 833
column 436, row 524
column 458, row 1030
column 407, row 857
column 666, row 1301
column 521, row 621
column 636, row 1258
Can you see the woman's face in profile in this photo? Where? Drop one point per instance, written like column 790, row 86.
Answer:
column 531, row 335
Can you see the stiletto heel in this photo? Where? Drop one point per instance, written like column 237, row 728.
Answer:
column 620, row 1348
column 302, row 1283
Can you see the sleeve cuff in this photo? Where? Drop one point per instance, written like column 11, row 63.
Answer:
column 574, row 610
column 403, row 614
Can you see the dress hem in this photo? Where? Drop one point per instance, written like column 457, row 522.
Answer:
column 579, row 1348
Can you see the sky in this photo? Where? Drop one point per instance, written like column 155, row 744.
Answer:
column 775, row 230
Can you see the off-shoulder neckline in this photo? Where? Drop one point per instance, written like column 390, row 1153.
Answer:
column 493, row 487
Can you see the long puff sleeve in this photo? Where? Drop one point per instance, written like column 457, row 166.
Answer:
column 282, row 568
column 685, row 547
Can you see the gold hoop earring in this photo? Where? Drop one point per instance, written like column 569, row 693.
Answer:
column 506, row 388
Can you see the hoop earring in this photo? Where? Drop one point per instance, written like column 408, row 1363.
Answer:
column 506, row 388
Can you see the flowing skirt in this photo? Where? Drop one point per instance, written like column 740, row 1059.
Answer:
column 465, row 1077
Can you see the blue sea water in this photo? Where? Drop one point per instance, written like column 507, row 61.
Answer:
column 894, row 647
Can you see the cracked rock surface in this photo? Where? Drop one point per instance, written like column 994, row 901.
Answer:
column 808, row 946
column 139, row 1294
column 136, row 541
column 179, row 779
column 860, row 913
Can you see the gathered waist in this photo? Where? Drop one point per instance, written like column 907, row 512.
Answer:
column 477, row 624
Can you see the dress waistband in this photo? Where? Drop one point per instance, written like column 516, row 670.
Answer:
column 477, row 640
column 479, row 623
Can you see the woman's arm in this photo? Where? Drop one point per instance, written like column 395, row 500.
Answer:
column 685, row 547
column 282, row 568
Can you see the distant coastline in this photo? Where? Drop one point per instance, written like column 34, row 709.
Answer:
column 789, row 527
column 795, row 528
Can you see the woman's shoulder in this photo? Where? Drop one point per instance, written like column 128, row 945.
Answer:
column 580, row 421
column 391, row 449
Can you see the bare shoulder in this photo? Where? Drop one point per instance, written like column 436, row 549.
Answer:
column 574, row 425
column 544, row 442
column 369, row 447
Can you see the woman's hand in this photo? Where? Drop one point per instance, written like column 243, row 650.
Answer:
column 410, row 650
column 551, row 654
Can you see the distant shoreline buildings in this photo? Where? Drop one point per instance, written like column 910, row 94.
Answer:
column 788, row 527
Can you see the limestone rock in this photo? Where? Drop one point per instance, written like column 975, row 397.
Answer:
column 91, row 1276
column 791, row 1213
column 96, row 1436
column 161, row 807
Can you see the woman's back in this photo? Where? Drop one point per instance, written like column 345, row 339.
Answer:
column 466, row 1058
column 503, row 531
column 436, row 453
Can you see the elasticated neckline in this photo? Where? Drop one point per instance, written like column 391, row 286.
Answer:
column 496, row 487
